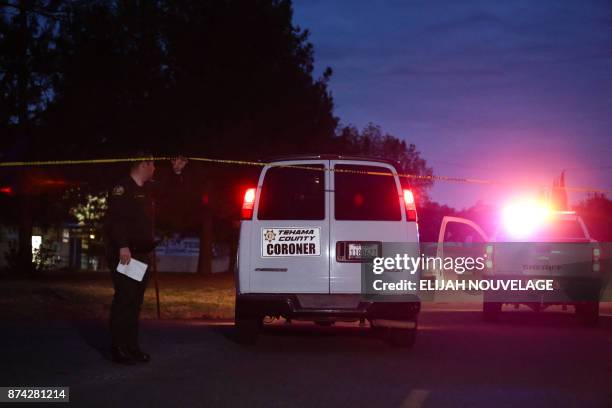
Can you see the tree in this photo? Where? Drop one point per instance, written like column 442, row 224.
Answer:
column 242, row 80
column 596, row 211
column 430, row 215
column 485, row 215
column 213, row 78
column 27, row 52
column 371, row 141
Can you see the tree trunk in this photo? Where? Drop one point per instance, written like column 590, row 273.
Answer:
column 25, row 236
column 205, row 256
column 23, row 78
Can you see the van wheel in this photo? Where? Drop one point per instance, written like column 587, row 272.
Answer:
column 247, row 329
column 491, row 311
column 402, row 337
column 588, row 313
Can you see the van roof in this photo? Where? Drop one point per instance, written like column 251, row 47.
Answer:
column 328, row 157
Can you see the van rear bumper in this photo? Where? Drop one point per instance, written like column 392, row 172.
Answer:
column 288, row 305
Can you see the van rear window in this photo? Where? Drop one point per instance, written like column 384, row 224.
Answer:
column 293, row 194
column 365, row 197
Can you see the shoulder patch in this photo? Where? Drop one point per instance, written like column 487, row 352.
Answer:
column 118, row 190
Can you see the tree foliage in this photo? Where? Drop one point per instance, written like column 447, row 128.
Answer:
column 28, row 75
column 372, row 141
column 215, row 78
column 596, row 211
column 209, row 77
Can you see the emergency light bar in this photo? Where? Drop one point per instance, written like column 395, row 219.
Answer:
column 521, row 219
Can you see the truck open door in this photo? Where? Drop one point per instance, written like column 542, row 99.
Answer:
column 479, row 232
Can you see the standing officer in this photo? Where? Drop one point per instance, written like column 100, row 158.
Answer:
column 129, row 233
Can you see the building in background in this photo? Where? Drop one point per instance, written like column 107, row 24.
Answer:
column 77, row 248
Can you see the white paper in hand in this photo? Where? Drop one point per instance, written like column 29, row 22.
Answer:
column 135, row 269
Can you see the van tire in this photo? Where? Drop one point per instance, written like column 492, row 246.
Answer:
column 246, row 329
column 491, row 311
column 404, row 338
column 588, row 313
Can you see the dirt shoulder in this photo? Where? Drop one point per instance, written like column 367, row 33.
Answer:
column 88, row 295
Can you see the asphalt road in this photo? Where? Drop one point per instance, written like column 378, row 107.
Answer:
column 526, row 360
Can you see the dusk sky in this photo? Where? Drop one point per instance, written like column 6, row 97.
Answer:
column 514, row 91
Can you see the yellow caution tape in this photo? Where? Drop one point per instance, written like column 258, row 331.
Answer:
column 261, row 164
column 88, row 161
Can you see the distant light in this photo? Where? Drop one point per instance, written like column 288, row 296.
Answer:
column 6, row 190
column 92, row 236
column 36, row 243
column 521, row 219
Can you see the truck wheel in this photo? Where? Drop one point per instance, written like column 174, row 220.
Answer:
column 588, row 313
column 402, row 337
column 247, row 329
column 491, row 311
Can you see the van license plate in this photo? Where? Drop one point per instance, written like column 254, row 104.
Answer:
column 362, row 251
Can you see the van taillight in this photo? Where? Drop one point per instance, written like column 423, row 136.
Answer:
column 247, row 204
column 411, row 214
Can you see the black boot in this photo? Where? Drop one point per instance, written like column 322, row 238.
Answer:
column 138, row 355
column 120, row 355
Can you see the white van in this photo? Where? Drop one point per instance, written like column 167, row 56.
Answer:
column 306, row 229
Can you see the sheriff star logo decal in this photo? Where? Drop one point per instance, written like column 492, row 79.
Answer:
column 269, row 236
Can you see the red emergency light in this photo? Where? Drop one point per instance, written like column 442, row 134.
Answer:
column 6, row 190
column 522, row 218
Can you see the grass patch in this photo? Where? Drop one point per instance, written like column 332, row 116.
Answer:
column 88, row 296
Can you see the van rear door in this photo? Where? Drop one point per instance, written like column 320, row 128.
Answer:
column 366, row 209
column 290, row 233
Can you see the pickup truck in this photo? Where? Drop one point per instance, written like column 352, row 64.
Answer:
column 559, row 249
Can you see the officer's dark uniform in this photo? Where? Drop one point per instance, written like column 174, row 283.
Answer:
column 129, row 224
